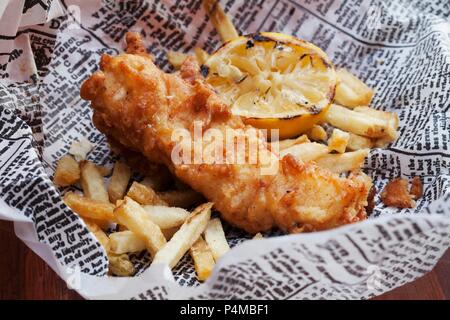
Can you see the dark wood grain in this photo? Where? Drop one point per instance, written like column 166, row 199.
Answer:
column 23, row 275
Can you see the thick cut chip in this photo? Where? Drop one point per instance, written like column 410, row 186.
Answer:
column 356, row 142
column 90, row 208
column 317, row 133
column 203, row 259
column 338, row 140
column 185, row 237
column 344, row 162
column 215, row 238
column 79, row 149
column 390, row 117
column 306, row 151
column 126, row 241
column 220, row 20
column 134, row 217
column 92, row 182
column 166, row 217
column 356, row 122
column 351, row 91
column 99, row 234
column 120, row 265
column 67, row 172
column 144, row 195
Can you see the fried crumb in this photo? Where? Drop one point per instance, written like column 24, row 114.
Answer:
column 416, row 189
column 395, row 194
column 67, row 172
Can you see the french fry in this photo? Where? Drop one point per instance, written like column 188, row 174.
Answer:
column 79, row 149
column 181, row 198
column 92, row 182
column 344, row 162
column 134, row 217
column 356, row 122
column 317, row 133
column 220, row 21
column 351, row 91
column 203, row 259
column 338, row 140
column 119, row 181
column 356, row 142
column 120, row 265
column 215, row 238
column 90, row 208
column 390, row 117
column 176, row 58
column 185, row 237
column 258, row 236
column 144, row 195
column 201, row 55
column 166, row 217
column 306, row 151
column 67, row 172
column 101, row 237
column 126, row 241
column 284, row 144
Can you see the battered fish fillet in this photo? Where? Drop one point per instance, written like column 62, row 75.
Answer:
column 138, row 105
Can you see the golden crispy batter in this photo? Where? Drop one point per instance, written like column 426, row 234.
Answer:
column 140, row 107
column 67, row 172
column 135, row 45
column 395, row 194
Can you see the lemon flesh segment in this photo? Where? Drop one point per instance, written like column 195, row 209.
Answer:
column 274, row 81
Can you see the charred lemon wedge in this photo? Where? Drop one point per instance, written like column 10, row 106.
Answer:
column 273, row 81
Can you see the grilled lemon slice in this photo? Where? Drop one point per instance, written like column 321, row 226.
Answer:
column 274, row 81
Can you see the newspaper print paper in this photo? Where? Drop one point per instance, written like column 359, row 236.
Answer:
column 401, row 48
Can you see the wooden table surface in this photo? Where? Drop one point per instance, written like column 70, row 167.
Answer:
column 23, row 275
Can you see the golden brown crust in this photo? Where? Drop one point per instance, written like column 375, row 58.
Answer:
column 67, row 172
column 135, row 45
column 395, row 194
column 416, row 188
